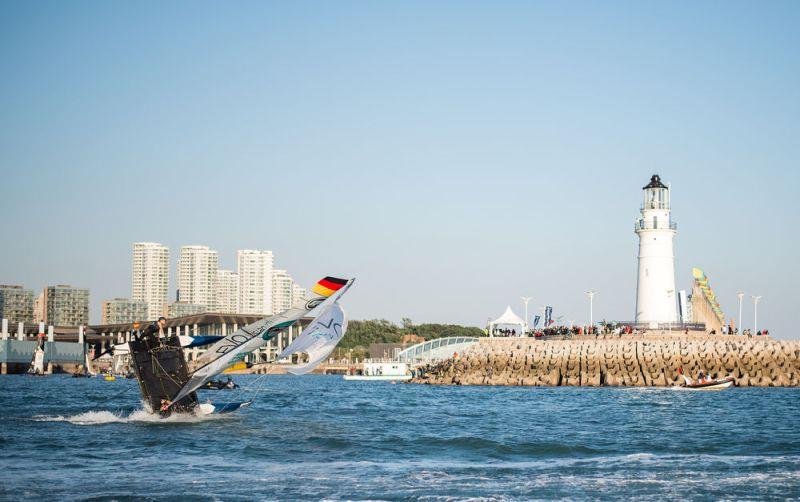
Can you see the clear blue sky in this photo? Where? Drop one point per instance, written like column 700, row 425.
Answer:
column 451, row 155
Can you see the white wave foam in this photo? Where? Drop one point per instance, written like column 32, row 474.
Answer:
column 86, row 418
column 101, row 417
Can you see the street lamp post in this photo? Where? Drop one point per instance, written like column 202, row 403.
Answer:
column 590, row 295
column 670, row 294
column 755, row 313
column 740, row 294
column 526, row 299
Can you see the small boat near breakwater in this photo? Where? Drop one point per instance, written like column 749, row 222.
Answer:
column 706, row 382
column 714, row 384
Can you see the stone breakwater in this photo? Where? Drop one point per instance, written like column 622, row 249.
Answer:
column 619, row 361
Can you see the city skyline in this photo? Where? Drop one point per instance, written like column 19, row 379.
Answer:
column 452, row 163
column 200, row 285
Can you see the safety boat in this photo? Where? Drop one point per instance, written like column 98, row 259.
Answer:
column 704, row 383
column 712, row 384
column 168, row 386
column 220, row 384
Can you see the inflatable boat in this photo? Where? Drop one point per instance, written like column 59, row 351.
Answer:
column 713, row 384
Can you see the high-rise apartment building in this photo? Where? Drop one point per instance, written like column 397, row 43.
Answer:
column 298, row 295
column 227, row 291
column 122, row 310
column 150, row 281
column 197, row 276
column 282, row 288
column 66, row 306
column 181, row 309
column 255, row 281
column 16, row 304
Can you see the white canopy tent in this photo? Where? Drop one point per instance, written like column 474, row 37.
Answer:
column 510, row 319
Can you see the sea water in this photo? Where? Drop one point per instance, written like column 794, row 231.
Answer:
column 319, row 437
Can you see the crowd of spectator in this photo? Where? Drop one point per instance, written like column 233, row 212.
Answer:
column 606, row 329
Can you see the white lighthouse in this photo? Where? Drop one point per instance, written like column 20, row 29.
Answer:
column 655, row 289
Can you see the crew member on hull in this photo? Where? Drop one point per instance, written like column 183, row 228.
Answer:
column 151, row 333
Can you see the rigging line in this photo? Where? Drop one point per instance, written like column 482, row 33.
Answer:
column 109, row 398
column 258, row 389
column 163, row 389
column 242, row 390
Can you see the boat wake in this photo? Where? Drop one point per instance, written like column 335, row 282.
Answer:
column 102, row 417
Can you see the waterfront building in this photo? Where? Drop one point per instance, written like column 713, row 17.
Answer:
column 123, row 310
column 16, row 304
column 282, row 289
column 65, row 305
column 298, row 295
column 182, row 309
column 227, row 294
column 150, row 280
column 255, row 269
column 197, row 276
column 655, row 288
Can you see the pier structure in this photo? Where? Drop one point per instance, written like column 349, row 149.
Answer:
column 17, row 349
column 655, row 287
column 66, row 345
column 206, row 324
column 434, row 350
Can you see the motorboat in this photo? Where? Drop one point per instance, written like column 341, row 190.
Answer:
column 220, row 384
column 704, row 383
column 712, row 384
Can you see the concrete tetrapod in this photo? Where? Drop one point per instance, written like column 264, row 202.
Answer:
column 620, row 361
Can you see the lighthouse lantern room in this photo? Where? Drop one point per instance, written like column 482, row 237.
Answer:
column 655, row 288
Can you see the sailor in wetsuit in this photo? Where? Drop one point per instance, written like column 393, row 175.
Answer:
column 151, row 333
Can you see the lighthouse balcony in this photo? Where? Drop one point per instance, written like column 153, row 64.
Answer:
column 641, row 224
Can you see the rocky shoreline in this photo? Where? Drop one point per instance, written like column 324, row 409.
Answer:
column 595, row 361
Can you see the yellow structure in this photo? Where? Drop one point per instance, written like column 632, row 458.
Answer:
column 241, row 365
column 705, row 307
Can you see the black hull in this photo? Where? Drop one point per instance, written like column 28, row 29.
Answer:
column 161, row 371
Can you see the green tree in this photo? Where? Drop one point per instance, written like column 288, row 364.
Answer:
column 366, row 332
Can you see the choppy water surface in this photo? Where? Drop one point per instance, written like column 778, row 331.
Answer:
column 318, row 437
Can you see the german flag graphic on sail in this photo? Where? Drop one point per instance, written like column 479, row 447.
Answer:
column 328, row 286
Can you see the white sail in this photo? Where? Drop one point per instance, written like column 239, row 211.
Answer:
column 318, row 340
column 235, row 347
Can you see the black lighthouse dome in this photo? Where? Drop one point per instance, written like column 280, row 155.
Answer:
column 655, row 182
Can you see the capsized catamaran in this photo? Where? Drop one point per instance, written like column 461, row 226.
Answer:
column 176, row 390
